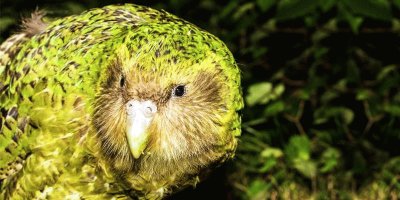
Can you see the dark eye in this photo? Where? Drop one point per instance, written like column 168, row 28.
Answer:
column 122, row 81
column 179, row 91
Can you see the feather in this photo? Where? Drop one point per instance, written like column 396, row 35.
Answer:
column 64, row 86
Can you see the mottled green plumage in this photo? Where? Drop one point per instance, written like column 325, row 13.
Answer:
column 63, row 91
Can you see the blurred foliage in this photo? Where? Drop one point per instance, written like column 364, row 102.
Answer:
column 321, row 80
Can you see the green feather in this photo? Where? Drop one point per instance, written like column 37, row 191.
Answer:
column 51, row 82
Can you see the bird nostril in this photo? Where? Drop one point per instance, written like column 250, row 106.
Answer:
column 146, row 107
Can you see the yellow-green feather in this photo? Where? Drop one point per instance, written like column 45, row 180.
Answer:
column 48, row 86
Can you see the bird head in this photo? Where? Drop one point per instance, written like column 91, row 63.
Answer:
column 170, row 93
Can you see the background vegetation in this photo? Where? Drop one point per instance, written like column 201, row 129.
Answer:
column 321, row 81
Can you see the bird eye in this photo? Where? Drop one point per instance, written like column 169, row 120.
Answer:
column 179, row 91
column 122, row 81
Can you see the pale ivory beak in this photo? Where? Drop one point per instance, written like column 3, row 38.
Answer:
column 139, row 116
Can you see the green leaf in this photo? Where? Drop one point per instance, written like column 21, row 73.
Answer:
column 396, row 97
column 269, row 163
column 270, row 25
column 259, row 93
column 303, row 94
column 271, row 152
column 341, row 85
column 258, row 189
column 308, row 168
column 386, row 71
column 326, row 5
column 258, row 35
column 289, row 9
column 298, row 153
column 377, row 9
column 5, row 22
column 310, row 21
column 265, row 5
column 323, row 114
column 347, row 114
column 241, row 11
column 395, row 25
column 299, row 148
column 230, row 7
column 263, row 92
column 354, row 21
column 330, row 159
column 364, row 94
column 274, row 108
column 323, row 135
column 279, row 89
column 397, row 3
column 329, row 95
column 258, row 52
column 319, row 52
column 393, row 109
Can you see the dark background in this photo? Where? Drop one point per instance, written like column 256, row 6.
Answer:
column 321, row 81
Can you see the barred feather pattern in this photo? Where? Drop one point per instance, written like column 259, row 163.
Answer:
column 62, row 105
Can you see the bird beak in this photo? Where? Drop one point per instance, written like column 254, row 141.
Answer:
column 139, row 116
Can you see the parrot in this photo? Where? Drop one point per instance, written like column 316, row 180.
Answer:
column 119, row 102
